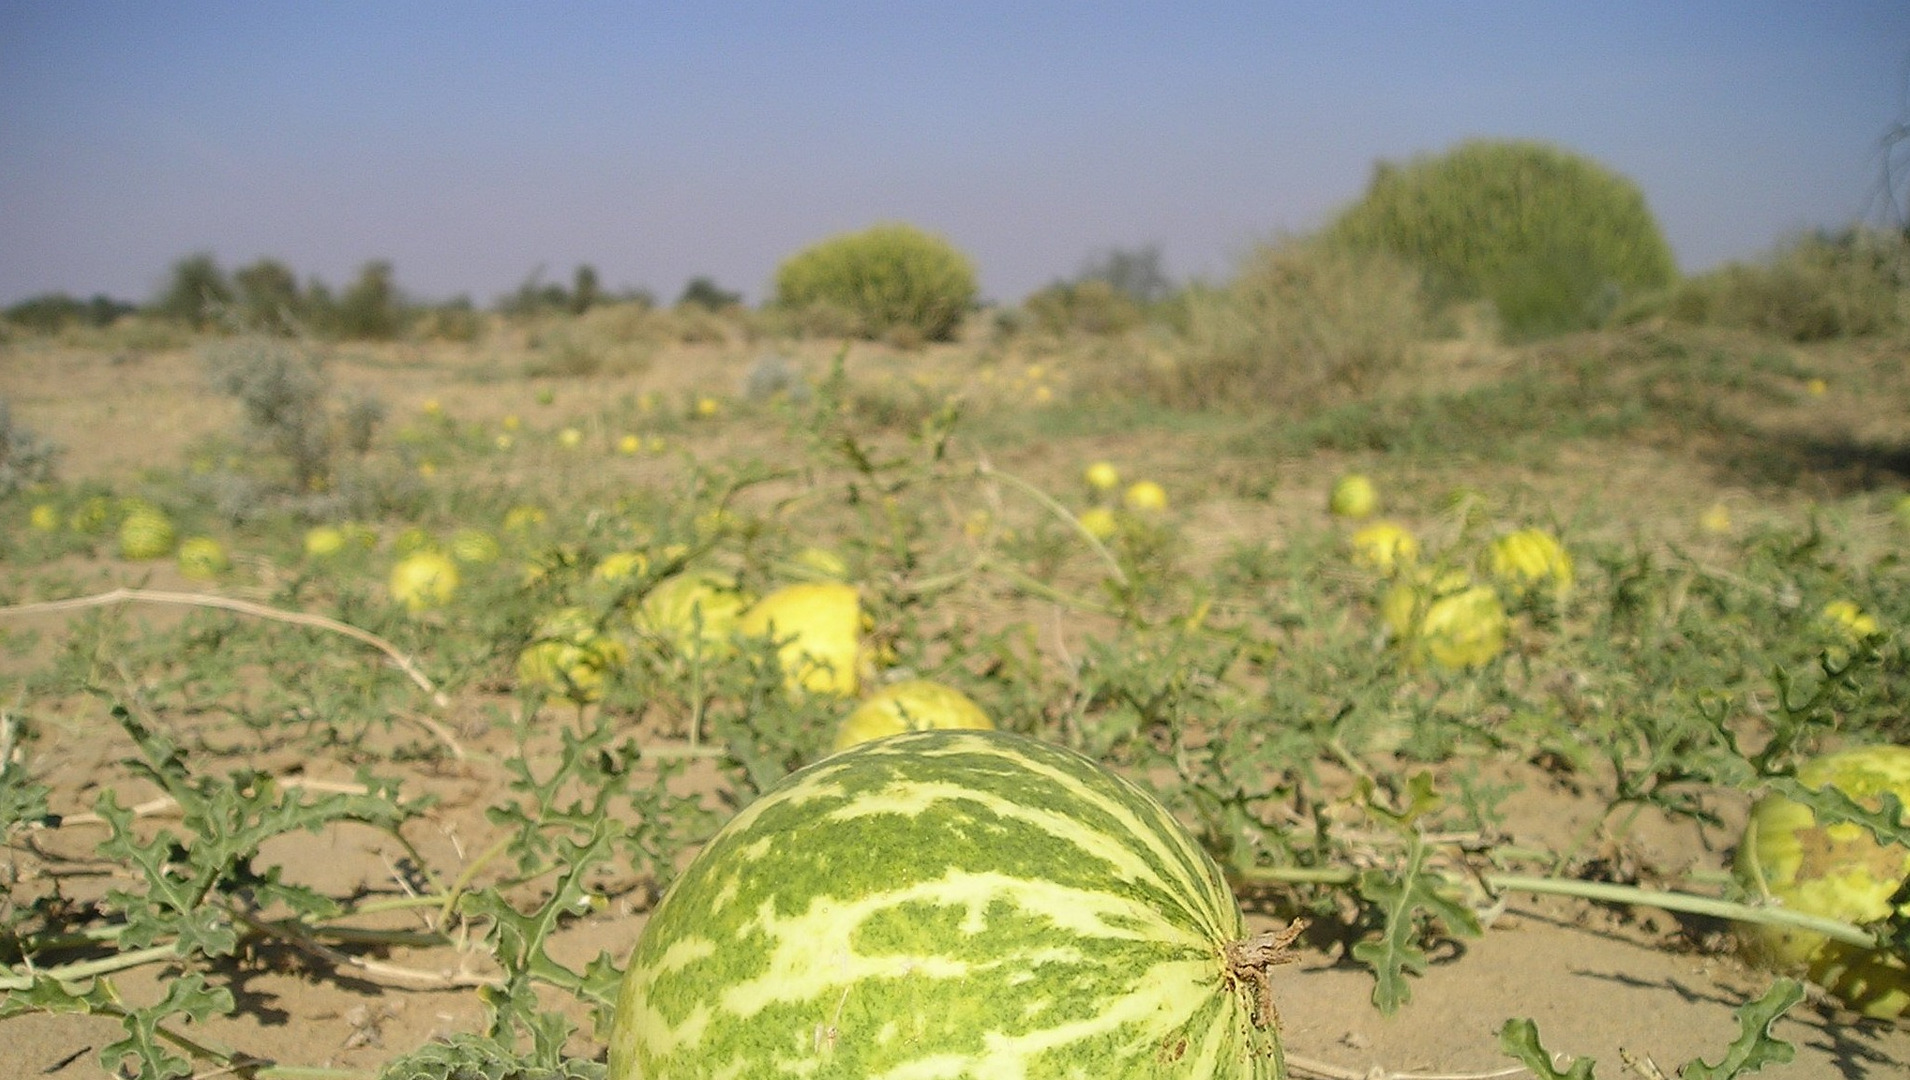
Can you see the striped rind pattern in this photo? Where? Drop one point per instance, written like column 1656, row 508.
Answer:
column 942, row 905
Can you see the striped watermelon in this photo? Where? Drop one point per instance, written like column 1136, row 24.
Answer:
column 949, row 904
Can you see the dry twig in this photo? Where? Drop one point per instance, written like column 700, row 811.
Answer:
column 247, row 607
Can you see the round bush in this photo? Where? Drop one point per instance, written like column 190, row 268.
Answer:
column 888, row 281
column 1553, row 239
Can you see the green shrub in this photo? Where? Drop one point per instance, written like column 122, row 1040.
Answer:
column 371, row 308
column 1092, row 306
column 52, row 312
column 197, row 292
column 268, row 299
column 1553, row 239
column 1815, row 288
column 282, row 392
column 585, row 292
column 1135, row 273
column 1114, row 292
column 705, row 293
column 1303, row 319
column 454, row 320
column 893, row 280
column 609, row 339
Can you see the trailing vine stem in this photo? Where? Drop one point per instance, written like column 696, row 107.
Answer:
column 1602, row 892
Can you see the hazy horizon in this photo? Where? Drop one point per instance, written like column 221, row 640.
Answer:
column 470, row 144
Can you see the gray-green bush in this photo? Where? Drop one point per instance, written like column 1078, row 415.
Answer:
column 889, row 281
column 1553, row 239
column 1091, row 306
column 49, row 313
column 25, row 457
column 1814, row 288
column 290, row 416
column 1304, row 318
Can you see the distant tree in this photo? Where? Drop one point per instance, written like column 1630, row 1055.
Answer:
column 196, row 292
column 268, row 297
column 1136, row 274
column 320, row 305
column 1552, row 238
column 586, row 292
column 1090, row 306
column 704, row 292
column 1890, row 198
column 53, row 312
column 534, row 296
column 455, row 319
column 371, row 308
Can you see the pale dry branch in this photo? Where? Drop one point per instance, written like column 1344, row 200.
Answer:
column 262, row 611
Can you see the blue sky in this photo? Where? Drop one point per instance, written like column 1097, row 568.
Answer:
column 471, row 143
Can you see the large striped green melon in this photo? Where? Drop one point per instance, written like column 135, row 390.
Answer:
column 941, row 905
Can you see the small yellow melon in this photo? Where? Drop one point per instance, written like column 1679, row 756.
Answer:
column 912, row 705
column 424, row 580
column 818, row 629
column 1838, row 871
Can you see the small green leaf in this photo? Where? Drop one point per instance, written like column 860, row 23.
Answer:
column 1755, row 1046
column 49, row 995
column 146, row 1040
column 1402, row 900
column 22, row 800
column 474, row 1057
column 602, row 982
column 1520, row 1039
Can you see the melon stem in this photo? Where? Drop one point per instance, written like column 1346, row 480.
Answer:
column 1250, row 962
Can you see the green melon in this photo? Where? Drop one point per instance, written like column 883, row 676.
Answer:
column 1353, row 496
column 323, row 541
column 949, row 904
column 475, row 546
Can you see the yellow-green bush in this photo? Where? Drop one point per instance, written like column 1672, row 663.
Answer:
column 891, row 280
column 1555, row 240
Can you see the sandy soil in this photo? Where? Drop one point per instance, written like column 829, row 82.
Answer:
column 1601, row 981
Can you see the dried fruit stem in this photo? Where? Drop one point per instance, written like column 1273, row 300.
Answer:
column 1249, row 963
